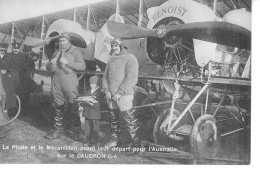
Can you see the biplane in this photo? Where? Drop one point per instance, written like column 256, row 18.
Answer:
column 202, row 60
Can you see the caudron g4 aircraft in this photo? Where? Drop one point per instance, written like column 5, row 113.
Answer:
column 206, row 64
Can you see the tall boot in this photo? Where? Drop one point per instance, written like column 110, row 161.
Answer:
column 73, row 111
column 132, row 128
column 114, row 128
column 57, row 123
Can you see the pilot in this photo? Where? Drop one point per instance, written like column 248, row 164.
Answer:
column 120, row 78
column 65, row 62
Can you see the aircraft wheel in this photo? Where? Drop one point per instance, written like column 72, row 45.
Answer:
column 204, row 139
column 160, row 128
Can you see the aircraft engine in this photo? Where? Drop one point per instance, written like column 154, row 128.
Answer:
column 176, row 50
column 177, row 53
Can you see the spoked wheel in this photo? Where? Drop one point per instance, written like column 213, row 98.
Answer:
column 204, row 139
column 13, row 113
column 160, row 130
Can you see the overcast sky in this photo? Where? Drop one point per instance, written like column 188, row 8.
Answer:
column 14, row 10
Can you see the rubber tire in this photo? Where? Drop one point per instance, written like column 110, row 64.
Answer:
column 199, row 149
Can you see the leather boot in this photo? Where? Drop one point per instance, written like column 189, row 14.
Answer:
column 57, row 123
column 73, row 111
column 114, row 128
column 132, row 129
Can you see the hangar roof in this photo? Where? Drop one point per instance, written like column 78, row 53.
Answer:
column 100, row 12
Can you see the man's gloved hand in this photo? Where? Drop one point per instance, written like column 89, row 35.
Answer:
column 116, row 96
column 108, row 95
column 54, row 61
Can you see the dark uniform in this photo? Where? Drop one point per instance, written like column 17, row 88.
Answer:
column 4, row 130
column 8, row 82
column 17, row 77
column 20, row 66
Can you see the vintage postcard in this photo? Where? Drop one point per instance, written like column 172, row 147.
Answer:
column 125, row 82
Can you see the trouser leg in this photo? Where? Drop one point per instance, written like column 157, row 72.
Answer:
column 114, row 128
column 97, row 134
column 87, row 130
column 57, row 122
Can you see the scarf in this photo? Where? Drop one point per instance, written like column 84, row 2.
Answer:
column 61, row 54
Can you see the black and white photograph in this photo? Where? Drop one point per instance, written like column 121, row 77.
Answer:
column 126, row 82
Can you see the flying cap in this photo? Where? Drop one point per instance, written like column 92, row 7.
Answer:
column 117, row 41
column 65, row 35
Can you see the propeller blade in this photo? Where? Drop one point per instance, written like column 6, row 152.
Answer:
column 212, row 31
column 216, row 32
column 76, row 40
column 127, row 31
column 41, row 42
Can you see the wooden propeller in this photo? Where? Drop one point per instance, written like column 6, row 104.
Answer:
column 212, row 31
column 76, row 40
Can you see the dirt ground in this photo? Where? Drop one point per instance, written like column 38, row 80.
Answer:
column 26, row 143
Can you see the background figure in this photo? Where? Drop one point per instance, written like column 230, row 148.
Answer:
column 10, row 77
column 65, row 62
column 2, row 89
column 120, row 78
column 18, row 66
column 91, row 112
column 32, row 58
column 21, row 63
column 4, row 130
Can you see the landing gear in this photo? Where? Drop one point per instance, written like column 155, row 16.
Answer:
column 201, row 139
column 160, row 134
